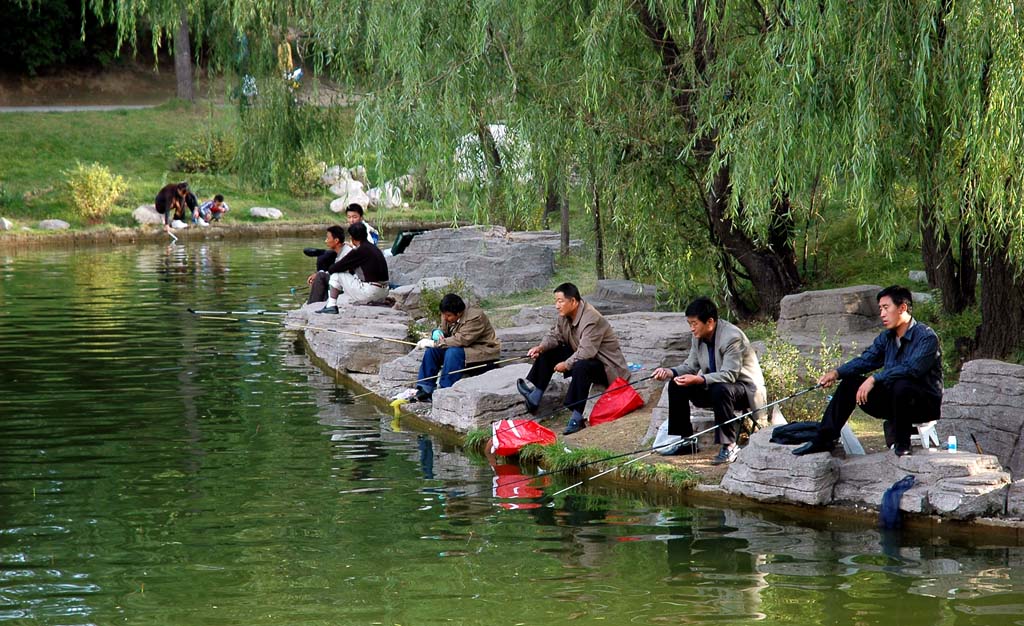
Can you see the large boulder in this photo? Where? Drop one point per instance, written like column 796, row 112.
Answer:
column 483, row 257
column 388, row 196
column 848, row 315
column 769, row 472
column 333, row 175
column 530, row 315
column 547, row 238
column 623, row 296
column 146, row 214
column 54, row 225
column 6, row 224
column 399, row 374
column 409, row 297
column 517, row 340
column 266, row 213
column 349, row 192
column 987, row 403
column 960, row 485
column 359, row 339
column 652, row 340
column 477, row 401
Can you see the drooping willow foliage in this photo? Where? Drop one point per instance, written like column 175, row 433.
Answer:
column 651, row 111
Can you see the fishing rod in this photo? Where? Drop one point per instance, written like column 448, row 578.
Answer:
column 692, row 439
column 237, row 313
column 438, row 375
column 651, row 450
column 297, row 326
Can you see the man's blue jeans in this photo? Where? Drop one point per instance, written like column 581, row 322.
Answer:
column 442, row 360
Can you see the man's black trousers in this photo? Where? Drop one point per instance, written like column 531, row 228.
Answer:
column 903, row 402
column 583, row 374
column 722, row 398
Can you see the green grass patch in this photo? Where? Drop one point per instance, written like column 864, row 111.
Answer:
column 37, row 148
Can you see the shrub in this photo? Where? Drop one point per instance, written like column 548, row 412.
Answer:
column 94, row 190
column 430, row 303
column 306, row 171
column 786, row 371
column 209, row 151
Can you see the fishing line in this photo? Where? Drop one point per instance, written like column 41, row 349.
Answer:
column 465, row 369
column 651, row 450
column 291, row 325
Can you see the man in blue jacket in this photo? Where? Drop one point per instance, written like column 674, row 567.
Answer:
column 907, row 390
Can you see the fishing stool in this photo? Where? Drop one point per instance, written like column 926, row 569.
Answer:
column 926, row 435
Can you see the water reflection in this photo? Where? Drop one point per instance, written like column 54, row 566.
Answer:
column 160, row 469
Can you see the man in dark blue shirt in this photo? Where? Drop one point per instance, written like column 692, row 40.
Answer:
column 907, row 391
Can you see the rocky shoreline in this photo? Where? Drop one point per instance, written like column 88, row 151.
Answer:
column 962, row 487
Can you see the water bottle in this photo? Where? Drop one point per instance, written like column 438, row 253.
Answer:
column 951, row 443
column 634, row 367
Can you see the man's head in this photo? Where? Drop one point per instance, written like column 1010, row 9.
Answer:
column 357, row 232
column 452, row 307
column 354, row 213
column 335, row 237
column 218, row 200
column 182, row 189
column 567, row 299
column 702, row 316
column 894, row 306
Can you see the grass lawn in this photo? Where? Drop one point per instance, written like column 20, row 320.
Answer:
column 37, row 148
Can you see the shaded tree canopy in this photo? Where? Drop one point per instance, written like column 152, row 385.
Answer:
column 698, row 124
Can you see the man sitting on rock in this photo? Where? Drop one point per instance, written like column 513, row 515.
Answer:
column 354, row 214
column 466, row 339
column 721, row 373
column 581, row 345
column 365, row 258
column 336, row 247
column 907, row 391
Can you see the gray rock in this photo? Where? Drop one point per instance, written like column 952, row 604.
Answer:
column 847, row 316
column 351, row 341
column 771, row 473
column 53, row 225
column 517, row 340
column 1015, row 500
column 960, row 485
column 489, row 262
column 333, row 175
column 408, row 297
column 6, row 224
column 398, row 374
column 623, row 296
column 921, row 297
column 546, row 238
column 988, row 403
column 918, row 276
column 267, row 213
column 652, row 340
column 358, row 173
column 477, row 401
column 146, row 214
column 530, row 315
column 388, row 196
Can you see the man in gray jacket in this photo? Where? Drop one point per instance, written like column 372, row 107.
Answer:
column 582, row 346
column 721, row 373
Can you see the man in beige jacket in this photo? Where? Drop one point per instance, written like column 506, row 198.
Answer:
column 581, row 345
column 466, row 338
column 721, row 373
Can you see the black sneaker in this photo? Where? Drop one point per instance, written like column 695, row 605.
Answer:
column 331, row 310
column 902, row 449
column 812, row 447
column 690, row 447
column 422, row 395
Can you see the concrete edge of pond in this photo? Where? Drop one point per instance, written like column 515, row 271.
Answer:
column 155, row 234
column 981, row 530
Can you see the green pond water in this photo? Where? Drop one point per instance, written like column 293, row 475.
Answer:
column 160, row 469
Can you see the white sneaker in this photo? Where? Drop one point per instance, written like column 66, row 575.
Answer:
column 178, row 224
column 201, row 222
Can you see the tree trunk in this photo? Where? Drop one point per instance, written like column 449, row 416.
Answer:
column 492, row 157
column 1001, row 332
column 565, row 224
column 557, row 202
column 956, row 276
column 773, row 273
column 772, row 269
column 598, row 234
column 183, row 60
